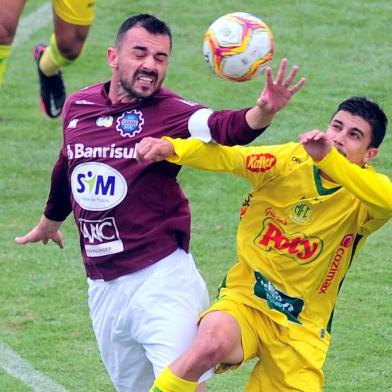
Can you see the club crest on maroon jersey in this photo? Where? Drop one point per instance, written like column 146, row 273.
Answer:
column 130, row 123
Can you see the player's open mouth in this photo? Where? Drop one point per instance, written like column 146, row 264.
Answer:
column 145, row 79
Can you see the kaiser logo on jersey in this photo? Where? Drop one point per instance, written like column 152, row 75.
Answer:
column 130, row 123
column 97, row 186
column 260, row 162
column 101, row 237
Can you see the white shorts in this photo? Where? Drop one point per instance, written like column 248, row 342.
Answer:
column 143, row 321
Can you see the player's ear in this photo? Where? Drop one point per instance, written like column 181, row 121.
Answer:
column 112, row 57
column 370, row 154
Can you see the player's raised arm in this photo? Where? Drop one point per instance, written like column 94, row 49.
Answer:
column 275, row 96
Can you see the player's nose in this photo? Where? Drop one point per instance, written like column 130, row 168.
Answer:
column 339, row 138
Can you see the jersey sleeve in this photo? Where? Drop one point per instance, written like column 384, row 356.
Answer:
column 186, row 118
column 229, row 127
column 372, row 188
column 58, row 205
column 256, row 164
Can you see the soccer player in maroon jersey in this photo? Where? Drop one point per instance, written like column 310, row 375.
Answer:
column 145, row 293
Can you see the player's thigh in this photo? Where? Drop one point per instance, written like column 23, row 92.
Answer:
column 168, row 309
column 124, row 358
column 9, row 17
column 129, row 368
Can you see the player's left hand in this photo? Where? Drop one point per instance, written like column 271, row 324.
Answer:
column 278, row 92
column 153, row 150
column 316, row 143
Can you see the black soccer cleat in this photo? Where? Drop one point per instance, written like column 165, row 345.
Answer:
column 52, row 89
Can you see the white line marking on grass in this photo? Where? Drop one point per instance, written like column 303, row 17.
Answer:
column 18, row 368
column 31, row 23
column 10, row 361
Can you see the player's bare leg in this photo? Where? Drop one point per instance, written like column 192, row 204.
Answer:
column 70, row 38
column 66, row 45
column 218, row 341
column 9, row 18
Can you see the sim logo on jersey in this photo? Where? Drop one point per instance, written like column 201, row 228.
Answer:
column 101, row 237
column 130, row 123
column 97, row 186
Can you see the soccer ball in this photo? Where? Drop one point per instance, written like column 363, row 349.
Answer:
column 237, row 46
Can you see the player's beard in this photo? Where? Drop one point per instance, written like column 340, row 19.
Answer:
column 128, row 85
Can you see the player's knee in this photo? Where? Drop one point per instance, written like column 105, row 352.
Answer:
column 213, row 348
column 7, row 33
column 70, row 48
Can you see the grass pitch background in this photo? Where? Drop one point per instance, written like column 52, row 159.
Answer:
column 343, row 48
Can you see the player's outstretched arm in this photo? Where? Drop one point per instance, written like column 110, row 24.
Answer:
column 46, row 230
column 275, row 96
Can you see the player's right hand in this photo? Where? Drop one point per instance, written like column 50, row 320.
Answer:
column 153, row 150
column 278, row 92
column 316, row 143
column 45, row 230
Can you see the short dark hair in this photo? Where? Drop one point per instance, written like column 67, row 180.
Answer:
column 369, row 111
column 149, row 22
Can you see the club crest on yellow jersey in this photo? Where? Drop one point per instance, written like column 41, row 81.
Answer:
column 301, row 212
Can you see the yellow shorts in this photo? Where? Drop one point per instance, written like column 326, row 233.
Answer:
column 78, row 12
column 285, row 364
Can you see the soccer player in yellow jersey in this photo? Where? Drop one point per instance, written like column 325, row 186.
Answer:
column 312, row 207
column 72, row 20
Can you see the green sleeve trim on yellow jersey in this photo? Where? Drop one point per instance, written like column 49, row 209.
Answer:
column 222, row 285
column 329, row 325
column 320, row 189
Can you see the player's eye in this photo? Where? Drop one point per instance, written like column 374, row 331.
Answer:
column 161, row 58
column 139, row 53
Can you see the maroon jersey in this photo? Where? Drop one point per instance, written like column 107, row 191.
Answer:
column 129, row 215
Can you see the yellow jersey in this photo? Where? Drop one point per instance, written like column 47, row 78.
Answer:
column 298, row 232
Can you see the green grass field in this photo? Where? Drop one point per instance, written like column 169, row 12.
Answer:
column 343, row 48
